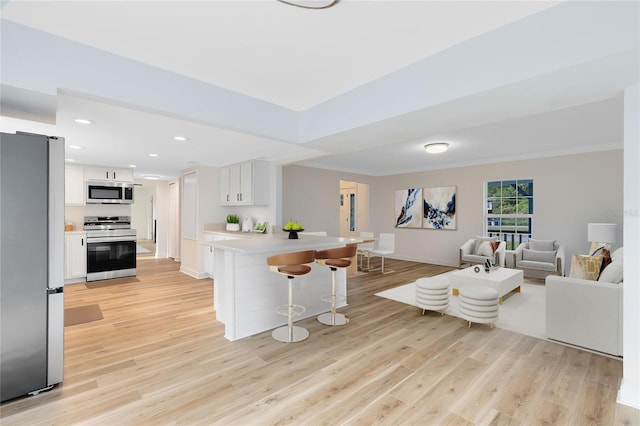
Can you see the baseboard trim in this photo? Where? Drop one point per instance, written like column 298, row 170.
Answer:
column 628, row 394
column 194, row 274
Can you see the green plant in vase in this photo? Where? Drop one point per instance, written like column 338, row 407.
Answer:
column 233, row 222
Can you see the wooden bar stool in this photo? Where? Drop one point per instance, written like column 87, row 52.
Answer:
column 292, row 265
column 335, row 258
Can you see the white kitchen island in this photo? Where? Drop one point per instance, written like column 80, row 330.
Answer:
column 246, row 293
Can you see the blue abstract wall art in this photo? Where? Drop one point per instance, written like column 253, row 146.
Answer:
column 439, row 209
column 408, row 211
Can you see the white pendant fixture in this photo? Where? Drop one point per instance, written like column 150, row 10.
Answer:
column 436, row 147
column 310, row 4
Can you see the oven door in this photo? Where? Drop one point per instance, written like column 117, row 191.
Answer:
column 111, row 257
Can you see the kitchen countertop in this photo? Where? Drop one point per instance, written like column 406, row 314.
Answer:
column 80, row 231
column 276, row 242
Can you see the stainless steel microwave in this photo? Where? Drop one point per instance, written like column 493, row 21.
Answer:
column 104, row 192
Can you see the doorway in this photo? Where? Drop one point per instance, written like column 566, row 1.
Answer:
column 143, row 218
column 354, row 208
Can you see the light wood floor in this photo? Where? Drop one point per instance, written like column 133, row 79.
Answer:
column 159, row 357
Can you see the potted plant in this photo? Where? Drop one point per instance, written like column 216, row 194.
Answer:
column 233, row 222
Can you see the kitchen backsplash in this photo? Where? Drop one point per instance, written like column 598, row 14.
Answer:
column 76, row 214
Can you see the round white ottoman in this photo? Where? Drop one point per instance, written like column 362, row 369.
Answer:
column 478, row 304
column 432, row 294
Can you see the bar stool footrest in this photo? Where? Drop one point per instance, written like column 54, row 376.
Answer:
column 296, row 311
column 327, row 298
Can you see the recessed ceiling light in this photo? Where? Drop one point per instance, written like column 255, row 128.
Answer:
column 436, row 147
column 180, row 138
column 153, row 155
column 76, row 146
column 132, row 165
column 83, row 121
column 69, row 160
column 152, row 177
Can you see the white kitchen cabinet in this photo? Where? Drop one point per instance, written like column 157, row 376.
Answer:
column 245, row 183
column 209, row 260
column 74, row 187
column 75, row 256
column 107, row 173
column 225, row 186
column 208, row 251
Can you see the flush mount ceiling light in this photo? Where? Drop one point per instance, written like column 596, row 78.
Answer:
column 436, row 147
column 83, row 121
column 132, row 166
column 180, row 138
column 311, row 4
column 153, row 155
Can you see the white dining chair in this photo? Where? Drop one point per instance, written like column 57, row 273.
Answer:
column 385, row 246
column 364, row 249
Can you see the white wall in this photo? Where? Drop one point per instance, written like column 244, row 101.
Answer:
column 207, row 209
column 141, row 211
column 630, row 387
column 569, row 192
column 76, row 214
column 312, row 196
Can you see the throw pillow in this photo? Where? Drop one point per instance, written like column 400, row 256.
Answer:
column 541, row 245
column 597, row 248
column 612, row 273
column 616, row 256
column 585, row 267
column 606, row 259
column 485, row 250
column 480, row 240
column 539, row 255
column 495, row 245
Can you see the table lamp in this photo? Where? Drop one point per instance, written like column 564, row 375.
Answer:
column 601, row 235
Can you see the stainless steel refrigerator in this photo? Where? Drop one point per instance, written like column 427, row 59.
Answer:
column 31, row 263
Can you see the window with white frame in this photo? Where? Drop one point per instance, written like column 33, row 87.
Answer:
column 509, row 210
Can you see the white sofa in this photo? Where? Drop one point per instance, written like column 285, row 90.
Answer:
column 585, row 313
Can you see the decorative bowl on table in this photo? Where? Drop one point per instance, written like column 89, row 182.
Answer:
column 293, row 234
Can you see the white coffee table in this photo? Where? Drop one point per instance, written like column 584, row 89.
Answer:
column 504, row 280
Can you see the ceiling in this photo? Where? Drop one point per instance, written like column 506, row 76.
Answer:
column 302, row 60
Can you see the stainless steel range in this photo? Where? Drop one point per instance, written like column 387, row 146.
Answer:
column 111, row 247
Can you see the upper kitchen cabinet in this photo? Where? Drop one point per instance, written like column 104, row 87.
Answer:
column 107, row 173
column 74, row 185
column 245, row 184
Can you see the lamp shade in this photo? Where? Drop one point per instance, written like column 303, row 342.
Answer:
column 601, row 232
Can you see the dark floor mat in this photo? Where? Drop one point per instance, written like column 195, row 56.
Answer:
column 82, row 314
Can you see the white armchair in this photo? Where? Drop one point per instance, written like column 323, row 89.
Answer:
column 471, row 253
column 540, row 258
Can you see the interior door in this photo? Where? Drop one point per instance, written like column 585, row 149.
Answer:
column 348, row 225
